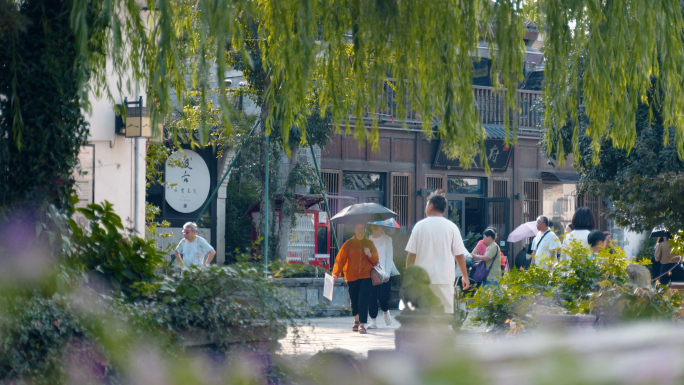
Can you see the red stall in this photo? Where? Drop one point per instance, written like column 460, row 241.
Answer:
column 310, row 238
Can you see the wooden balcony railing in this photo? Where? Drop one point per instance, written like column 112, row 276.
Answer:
column 489, row 104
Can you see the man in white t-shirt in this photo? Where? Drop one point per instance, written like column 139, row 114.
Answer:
column 434, row 244
column 195, row 250
column 545, row 243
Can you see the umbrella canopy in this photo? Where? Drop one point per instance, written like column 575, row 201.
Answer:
column 363, row 213
column 659, row 232
column 526, row 230
column 387, row 223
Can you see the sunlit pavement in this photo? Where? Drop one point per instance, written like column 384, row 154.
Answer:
column 316, row 334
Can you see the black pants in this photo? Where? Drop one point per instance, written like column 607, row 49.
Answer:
column 380, row 293
column 655, row 268
column 359, row 292
column 676, row 273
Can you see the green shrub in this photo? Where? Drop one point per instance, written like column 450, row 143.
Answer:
column 211, row 298
column 619, row 303
column 508, row 308
column 580, row 274
column 41, row 337
column 283, row 269
column 582, row 283
column 647, row 251
column 124, row 261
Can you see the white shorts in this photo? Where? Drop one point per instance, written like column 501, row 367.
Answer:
column 445, row 293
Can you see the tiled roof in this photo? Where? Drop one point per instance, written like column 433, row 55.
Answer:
column 495, row 131
column 498, row 131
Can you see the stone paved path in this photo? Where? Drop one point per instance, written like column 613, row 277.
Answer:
column 317, row 334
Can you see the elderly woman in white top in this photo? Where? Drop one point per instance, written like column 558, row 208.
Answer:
column 381, row 292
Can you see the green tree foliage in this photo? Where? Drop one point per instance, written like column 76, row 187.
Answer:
column 41, row 122
column 347, row 48
column 643, row 184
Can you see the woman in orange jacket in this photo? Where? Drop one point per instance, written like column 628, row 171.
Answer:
column 356, row 258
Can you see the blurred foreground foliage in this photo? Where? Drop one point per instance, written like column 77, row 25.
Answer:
column 109, row 298
column 581, row 284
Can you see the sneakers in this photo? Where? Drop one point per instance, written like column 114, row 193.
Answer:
column 372, row 325
column 388, row 318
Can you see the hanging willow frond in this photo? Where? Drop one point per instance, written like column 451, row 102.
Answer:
column 348, row 48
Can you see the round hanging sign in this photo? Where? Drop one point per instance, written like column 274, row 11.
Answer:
column 189, row 182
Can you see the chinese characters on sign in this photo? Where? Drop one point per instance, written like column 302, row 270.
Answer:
column 189, row 181
column 497, row 153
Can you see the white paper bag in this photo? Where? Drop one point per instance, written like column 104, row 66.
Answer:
column 328, row 286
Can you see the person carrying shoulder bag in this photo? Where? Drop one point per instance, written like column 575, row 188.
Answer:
column 489, row 259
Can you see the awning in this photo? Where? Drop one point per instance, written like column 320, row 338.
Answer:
column 560, row 176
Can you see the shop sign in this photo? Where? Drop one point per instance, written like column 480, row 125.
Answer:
column 188, row 181
column 498, row 156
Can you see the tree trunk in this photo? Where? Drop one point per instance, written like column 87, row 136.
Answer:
column 287, row 211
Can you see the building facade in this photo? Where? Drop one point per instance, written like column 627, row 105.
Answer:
column 409, row 165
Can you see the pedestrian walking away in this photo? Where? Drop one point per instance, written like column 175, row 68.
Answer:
column 434, row 244
column 381, row 293
column 355, row 259
column 669, row 269
column 582, row 223
column 193, row 250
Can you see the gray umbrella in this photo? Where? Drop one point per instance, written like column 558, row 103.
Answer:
column 363, row 213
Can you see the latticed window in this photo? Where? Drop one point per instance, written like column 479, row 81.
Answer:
column 593, row 203
column 499, row 188
column 332, row 181
column 530, row 200
column 399, row 199
column 433, row 183
column 497, row 210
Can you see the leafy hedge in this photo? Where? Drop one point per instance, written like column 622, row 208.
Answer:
column 213, row 299
column 43, row 337
column 67, row 325
column 123, row 260
column 581, row 284
column 282, row 269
